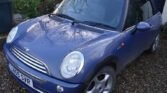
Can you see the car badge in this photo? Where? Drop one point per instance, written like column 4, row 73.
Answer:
column 26, row 49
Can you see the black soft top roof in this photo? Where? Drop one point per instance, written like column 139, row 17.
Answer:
column 158, row 5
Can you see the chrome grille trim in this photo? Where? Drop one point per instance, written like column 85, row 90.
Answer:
column 29, row 60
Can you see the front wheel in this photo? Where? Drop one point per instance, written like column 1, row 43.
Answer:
column 103, row 81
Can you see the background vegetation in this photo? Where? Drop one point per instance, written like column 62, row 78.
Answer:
column 33, row 8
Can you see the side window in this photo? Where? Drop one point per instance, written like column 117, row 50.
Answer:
column 147, row 10
column 138, row 10
column 134, row 15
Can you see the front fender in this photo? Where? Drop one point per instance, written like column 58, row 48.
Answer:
column 99, row 53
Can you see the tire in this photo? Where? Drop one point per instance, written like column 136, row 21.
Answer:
column 155, row 46
column 103, row 81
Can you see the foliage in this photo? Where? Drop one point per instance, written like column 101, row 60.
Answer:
column 32, row 8
column 26, row 7
column 47, row 6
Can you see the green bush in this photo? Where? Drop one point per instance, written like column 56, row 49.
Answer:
column 47, row 6
column 26, row 7
column 33, row 8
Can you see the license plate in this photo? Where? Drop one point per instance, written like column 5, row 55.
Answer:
column 21, row 76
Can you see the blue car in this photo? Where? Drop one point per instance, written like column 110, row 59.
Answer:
column 82, row 45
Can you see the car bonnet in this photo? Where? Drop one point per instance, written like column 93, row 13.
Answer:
column 50, row 40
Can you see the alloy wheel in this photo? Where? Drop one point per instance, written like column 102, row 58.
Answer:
column 102, row 83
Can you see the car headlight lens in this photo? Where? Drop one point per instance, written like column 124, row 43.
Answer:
column 72, row 64
column 12, row 35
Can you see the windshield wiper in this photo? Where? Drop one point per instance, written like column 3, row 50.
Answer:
column 94, row 24
column 83, row 22
column 62, row 15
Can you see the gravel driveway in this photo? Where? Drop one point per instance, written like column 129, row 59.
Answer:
column 147, row 74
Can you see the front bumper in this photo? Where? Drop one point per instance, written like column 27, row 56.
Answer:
column 41, row 82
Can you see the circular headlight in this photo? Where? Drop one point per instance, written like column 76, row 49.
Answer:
column 72, row 64
column 12, row 35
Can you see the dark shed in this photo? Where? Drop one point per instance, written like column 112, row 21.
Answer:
column 5, row 15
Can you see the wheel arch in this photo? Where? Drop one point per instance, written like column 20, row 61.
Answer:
column 110, row 61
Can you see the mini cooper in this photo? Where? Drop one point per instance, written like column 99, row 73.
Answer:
column 82, row 45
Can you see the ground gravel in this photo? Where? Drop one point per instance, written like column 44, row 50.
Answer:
column 147, row 74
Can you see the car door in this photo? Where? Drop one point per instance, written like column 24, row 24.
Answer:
column 154, row 19
column 136, row 42
column 142, row 11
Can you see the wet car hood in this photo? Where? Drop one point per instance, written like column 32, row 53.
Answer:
column 51, row 39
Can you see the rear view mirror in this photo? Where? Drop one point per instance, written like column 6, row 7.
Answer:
column 143, row 26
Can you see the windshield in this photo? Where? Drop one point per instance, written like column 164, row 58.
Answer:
column 107, row 12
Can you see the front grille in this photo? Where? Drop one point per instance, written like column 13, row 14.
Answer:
column 29, row 60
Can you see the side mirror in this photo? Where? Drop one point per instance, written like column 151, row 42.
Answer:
column 143, row 26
